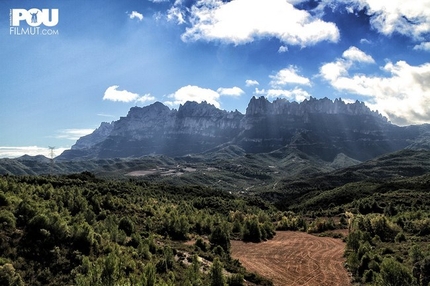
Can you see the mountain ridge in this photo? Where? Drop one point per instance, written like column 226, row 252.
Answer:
column 320, row 127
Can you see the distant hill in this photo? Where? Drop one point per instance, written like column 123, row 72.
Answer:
column 351, row 182
column 317, row 127
column 38, row 158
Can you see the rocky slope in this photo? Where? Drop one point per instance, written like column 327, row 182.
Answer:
column 319, row 127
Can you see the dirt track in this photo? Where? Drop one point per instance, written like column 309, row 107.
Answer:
column 295, row 258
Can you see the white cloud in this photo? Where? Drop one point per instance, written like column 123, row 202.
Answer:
column 356, row 55
column 410, row 18
column 176, row 14
column 136, row 15
column 425, row 46
column 296, row 94
column 233, row 91
column 339, row 68
column 365, row 41
column 105, row 115
column 112, row 93
column 243, row 21
column 288, row 76
column 334, row 70
column 13, row 152
column 251, row 82
column 283, row 49
column 145, row 98
column 73, row 134
column 194, row 93
column 403, row 95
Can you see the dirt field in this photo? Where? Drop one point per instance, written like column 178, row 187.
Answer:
column 295, row 258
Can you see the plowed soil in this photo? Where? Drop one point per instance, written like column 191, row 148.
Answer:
column 295, row 258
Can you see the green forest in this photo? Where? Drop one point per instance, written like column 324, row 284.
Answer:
column 80, row 229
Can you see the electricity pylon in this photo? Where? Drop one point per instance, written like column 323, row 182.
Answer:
column 52, row 159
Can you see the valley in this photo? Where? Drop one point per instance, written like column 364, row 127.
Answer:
column 283, row 195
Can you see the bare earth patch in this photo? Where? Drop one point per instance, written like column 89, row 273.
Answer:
column 295, row 258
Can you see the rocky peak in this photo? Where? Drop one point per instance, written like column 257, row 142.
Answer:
column 151, row 111
column 203, row 109
column 95, row 137
column 258, row 106
column 261, row 107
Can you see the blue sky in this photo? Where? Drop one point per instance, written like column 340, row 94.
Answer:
column 102, row 58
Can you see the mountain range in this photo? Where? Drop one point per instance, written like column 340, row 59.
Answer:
column 322, row 128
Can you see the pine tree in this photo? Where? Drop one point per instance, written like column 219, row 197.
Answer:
column 216, row 275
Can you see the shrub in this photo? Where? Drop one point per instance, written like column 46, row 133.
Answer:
column 4, row 202
column 220, row 236
column 400, row 237
column 385, row 229
column 252, row 231
column 110, row 272
column 393, row 274
column 7, row 220
column 9, row 277
column 235, row 280
column 368, row 276
column 83, row 238
column 127, row 225
column 201, row 244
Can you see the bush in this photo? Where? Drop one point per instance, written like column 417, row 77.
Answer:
column 235, row 280
column 252, row 231
column 4, row 202
column 201, row 244
column 386, row 230
column 83, row 238
column 220, row 236
column 7, row 220
column 8, row 276
column 127, row 225
column 400, row 237
column 393, row 274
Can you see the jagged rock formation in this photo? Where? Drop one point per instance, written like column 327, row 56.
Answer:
column 319, row 127
column 97, row 136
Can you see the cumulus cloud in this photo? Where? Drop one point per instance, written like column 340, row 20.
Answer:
column 194, row 93
column 356, row 55
column 410, row 18
column 13, row 152
column 112, row 93
column 296, row 94
column 339, row 68
column 232, row 91
column 425, row 46
column 288, row 76
column 251, row 82
column 403, row 94
column 283, row 49
column 243, row 21
column 136, row 15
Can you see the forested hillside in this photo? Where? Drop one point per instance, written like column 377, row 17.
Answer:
column 79, row 230
column 82, row 230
